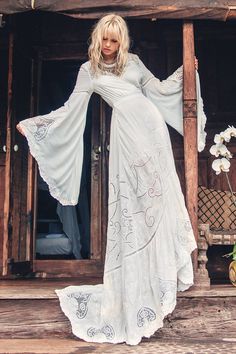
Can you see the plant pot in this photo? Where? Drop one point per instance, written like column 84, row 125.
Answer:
column 232, row 272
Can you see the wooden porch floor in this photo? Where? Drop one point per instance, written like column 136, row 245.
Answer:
column 31, row 321
column 45, row 288
column 40, row 288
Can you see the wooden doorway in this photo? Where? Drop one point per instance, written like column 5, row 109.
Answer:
column 44, row 71
column 59, row 72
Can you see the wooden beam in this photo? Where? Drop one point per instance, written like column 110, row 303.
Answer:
column 188, row 9
column 7, row 203
column 190, row 127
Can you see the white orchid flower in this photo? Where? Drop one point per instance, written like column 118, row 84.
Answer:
column 214, row 150
column 219, row 138
column 220, row 149
column 219, row 165
column 229, row 133
column 225, row 152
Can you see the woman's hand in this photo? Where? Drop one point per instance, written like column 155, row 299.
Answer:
column 18, row 127
column 196, row 63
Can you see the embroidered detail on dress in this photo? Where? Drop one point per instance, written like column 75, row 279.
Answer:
column 145, row 314
column 183, row 228
column 82, row 301
column 177, row 75
column 168, row 290
column 42, row 125
column 145, row 186
column 107, row 330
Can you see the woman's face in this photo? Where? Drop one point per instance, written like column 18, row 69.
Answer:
column 110, row 46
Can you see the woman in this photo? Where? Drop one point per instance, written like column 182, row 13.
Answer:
column 149, row 237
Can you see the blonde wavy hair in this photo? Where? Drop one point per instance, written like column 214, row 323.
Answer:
column 116, row 26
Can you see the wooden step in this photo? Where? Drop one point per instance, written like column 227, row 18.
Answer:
column 39, row 288
column 150, row 346
column 30, row 309
column 50, row 346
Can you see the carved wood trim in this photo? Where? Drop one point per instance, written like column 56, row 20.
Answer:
column 190, row 108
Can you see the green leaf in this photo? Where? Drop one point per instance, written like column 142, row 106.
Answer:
column 234, row 252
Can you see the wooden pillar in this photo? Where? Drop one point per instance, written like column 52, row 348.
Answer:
column 7, row 201
column 190, row 128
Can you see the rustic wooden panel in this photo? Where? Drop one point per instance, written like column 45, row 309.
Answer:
column 16, row 198
column 37, row 288
column 51, row 346
column 207, row 317
column 201, row 318
column 151, row 346
column 2, row 193
column 150, row 8
column 29, row 189
column 67, row 268
column 96, row 182
column 7, row 202
column 33, row 318
column 22, row 289
column 202, row 171
column 21, row 90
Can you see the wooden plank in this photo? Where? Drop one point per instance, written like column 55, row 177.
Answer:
column 190, row 128
column 41, row 288
column 7, row 204
column 151, row 346
column 96, row 193
column 67, row 268
column 33, row 319
column 205, row 318
column 45, row 288
column 2, row 194
column 201, row 318
column 15, row 195
column 50, row 346
column 30, row 178
column 148, row 9
column 34, row 176
column 202, row 9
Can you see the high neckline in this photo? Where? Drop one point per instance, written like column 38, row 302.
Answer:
column 109, row 64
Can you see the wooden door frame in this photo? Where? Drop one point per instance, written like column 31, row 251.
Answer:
column 64, row 268
column 7, row 201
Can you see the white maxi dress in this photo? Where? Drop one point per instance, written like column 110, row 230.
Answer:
column 149, row 235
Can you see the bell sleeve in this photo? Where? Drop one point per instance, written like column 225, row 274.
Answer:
column 167, row 95
column 56, row 141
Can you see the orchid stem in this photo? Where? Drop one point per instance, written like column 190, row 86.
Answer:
column 230, row 188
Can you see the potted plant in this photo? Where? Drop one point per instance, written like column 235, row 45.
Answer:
column 222, row 164
column 232, row 266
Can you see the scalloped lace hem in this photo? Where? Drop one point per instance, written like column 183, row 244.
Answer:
column 148, row 332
